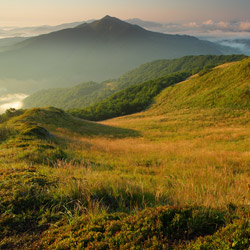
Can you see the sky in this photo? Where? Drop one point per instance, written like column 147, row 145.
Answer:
column 52, row 12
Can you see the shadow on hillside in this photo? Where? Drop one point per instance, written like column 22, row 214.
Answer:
column 93, row 129
column 57, row 121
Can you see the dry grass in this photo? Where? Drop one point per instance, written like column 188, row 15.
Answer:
column 183, row 158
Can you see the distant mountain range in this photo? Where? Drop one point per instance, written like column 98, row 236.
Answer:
column 36, row 30
column 10, row 32
column 98, row 50
column 5, row 43
column 144, row 24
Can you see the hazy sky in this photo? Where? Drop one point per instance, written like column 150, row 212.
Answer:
column 36, row 12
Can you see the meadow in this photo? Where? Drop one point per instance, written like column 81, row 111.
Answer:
column 165, row 178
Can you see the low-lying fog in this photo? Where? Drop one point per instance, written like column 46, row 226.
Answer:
column 11, row 101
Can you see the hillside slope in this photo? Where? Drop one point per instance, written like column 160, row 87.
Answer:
column 222, row 87
column 128, row 101
column 139, row 97
column 86, row 94
column 212, row 106
column 160, row 68
column 56, row 120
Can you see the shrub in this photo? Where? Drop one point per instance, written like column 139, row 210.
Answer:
column 9, row 113
column 6, row 132
column 154, row 228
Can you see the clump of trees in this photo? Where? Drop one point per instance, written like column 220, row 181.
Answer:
column 9, row 113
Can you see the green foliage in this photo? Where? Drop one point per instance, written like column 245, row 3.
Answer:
column 131, row 100
column 78, row 96
column 137, row 98
column 6, row 132
column 158, row 228
column 9, row 113
column 234, row 236
column 24, row 194
column 205, row 70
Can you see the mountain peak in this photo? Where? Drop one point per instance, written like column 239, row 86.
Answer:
column 112, row 25
column 108, row 17
column 108, row 20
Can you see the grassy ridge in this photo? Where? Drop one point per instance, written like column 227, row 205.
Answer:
column 223, row 87
column 54, row 119
column 27, row 133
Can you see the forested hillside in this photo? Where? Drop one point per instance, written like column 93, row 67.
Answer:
column 137, row 98
column 128, row 101
column 86, row 94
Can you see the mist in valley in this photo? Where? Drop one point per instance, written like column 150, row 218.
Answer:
column 241, row 44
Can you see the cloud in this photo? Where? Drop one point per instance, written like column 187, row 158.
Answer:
column 207, row 28
column 245, row 26
column 224, row 25
column 208, row 22
column 11, row 101
column 191, row 27
column 191, row 24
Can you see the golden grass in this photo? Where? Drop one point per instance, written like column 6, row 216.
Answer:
column 225, row 65
column 182, row 158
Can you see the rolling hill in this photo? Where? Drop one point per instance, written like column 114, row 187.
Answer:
column 86, row 94
column 224, row 87
column 128, row 101
column 94, row 51
column 175, row 176
column 139, row 97
column 217, row 97
column 6, row 43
